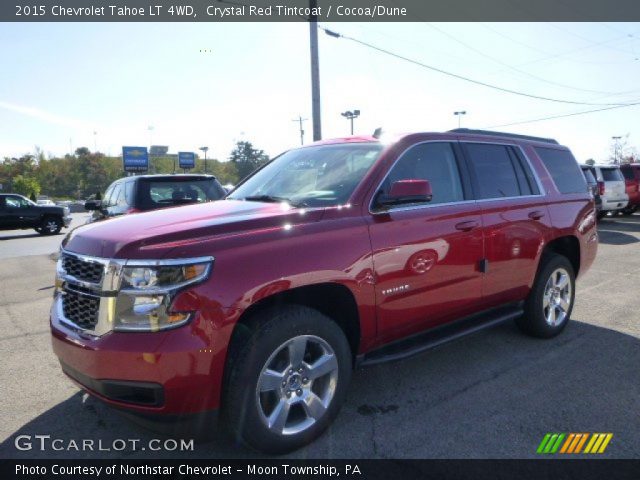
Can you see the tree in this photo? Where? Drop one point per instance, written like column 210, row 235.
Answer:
column 247, row 159
column 26, row 186
column 591, row 161
column 33, row 198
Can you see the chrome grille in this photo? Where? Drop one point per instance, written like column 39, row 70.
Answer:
column 81, row 308
column 83, row 270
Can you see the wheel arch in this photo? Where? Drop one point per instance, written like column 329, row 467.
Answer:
column 334, row 300
column 568, row 246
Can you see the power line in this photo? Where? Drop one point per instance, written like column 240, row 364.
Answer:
column 511, row 67
column 461, row 77
column 573, row 114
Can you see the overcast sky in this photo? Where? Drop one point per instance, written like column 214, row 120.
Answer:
column 215, row 83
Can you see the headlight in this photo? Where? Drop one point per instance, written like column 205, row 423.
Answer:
column 147, row 290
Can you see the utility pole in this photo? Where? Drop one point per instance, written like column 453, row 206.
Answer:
column 315, row 72
column 300, row 120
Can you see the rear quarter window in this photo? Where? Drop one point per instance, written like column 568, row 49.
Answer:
column 564, row 170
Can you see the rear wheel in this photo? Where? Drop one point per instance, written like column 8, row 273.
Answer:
column 549, row 305
column 49, row 226
column 288, row 381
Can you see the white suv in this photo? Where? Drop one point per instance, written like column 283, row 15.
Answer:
column 612, row 189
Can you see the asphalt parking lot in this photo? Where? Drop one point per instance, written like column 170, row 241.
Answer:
column 492, row 395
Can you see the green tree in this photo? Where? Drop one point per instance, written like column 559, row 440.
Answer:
column 246, row 158
column 591, row 161
column 26, row 186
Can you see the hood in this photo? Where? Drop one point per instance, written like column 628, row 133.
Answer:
column 55, row 209
column 153, row 234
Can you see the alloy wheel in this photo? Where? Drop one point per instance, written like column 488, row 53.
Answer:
column 556, row 300
column 297, row 384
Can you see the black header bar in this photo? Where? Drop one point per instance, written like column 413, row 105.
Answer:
column 327, row 10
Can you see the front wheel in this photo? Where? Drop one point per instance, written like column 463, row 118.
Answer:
column 49, row 226
column 288, row 380
column 550, row 302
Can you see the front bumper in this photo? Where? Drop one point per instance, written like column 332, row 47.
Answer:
column 172, row 372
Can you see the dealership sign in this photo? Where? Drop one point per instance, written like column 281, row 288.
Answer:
column 135, row 159
column 186, row 159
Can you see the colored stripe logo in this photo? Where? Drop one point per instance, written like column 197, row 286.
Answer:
column 574, row 443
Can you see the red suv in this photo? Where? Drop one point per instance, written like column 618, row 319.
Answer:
column 343, row 253
column 631, row 173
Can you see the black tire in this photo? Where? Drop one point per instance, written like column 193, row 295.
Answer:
column 546, row 313
column 629, row 210
column 245, row 411
column 50, row 226
column 601, row 214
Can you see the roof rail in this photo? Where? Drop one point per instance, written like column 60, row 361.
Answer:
column 503, row 134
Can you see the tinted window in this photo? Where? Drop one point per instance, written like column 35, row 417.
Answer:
column 611, row 174
column 435, row 162
column 162, row 193
column 495, row 172
column 564, row 170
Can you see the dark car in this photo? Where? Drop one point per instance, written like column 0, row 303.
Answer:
column 150, row 192
column 345, row 252
column 593, row 185
column 18, row 212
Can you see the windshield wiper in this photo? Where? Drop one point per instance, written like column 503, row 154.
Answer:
column 274, row 199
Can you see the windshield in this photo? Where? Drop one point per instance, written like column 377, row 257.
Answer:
column 325, row 175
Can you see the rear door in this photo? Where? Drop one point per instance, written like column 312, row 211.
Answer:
column 426, row 256
column 514, row 216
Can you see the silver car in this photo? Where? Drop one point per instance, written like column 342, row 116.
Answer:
column 614, row 196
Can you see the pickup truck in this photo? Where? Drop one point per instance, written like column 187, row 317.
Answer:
column 18, row 212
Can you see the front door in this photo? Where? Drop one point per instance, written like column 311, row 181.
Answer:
column 426, row 256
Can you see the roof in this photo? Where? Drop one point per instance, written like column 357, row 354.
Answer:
column 463, row 131
column 516, row 136
column 170, row 175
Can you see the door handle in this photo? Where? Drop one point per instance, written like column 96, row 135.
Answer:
column 536, row 215
column 466, row 226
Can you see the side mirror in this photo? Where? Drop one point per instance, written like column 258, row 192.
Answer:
column 92, row 205
column 407, row 191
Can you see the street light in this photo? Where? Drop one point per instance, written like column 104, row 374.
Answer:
column 351, row 115
column 615, row 149
column 205, row 150
column 459, row 115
